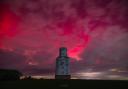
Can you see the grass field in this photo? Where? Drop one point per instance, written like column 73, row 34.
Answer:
column 53, row 84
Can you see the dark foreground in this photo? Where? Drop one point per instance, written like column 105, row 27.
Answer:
column 63, row 84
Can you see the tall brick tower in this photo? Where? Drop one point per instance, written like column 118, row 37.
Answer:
column 62, row 65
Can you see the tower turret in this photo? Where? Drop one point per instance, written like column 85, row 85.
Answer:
column 62, row 65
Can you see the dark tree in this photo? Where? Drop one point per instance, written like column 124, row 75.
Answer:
column 6, row 74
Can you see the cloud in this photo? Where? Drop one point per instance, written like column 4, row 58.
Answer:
column 94, row 31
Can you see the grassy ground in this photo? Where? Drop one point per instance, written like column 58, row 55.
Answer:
column 53, row 84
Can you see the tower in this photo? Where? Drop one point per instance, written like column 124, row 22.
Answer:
column 62, row 65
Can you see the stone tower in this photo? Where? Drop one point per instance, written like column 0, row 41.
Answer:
column 62, row 65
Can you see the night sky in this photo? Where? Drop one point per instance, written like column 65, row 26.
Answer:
column 94, row 31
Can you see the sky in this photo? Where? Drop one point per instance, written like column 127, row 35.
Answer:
column 95, row 33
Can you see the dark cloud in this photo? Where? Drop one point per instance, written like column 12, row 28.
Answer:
column 108, row 50
column 38, row 71
column 11, row 60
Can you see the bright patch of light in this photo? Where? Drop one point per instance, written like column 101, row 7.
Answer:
column 91, row 75
column 38, row 77
column 32, row 63
column 75, row 52
column 113, row 70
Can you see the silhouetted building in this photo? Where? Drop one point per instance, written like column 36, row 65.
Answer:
column 62, row 65
column 6, row 74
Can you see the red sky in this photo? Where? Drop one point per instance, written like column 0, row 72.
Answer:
column 94, row 31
